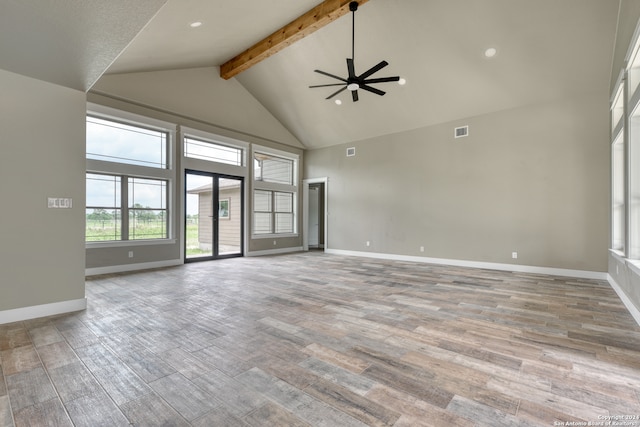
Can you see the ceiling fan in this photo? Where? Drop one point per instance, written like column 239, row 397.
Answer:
column 354, row 82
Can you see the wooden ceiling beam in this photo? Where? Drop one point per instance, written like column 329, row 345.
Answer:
column 321, row 15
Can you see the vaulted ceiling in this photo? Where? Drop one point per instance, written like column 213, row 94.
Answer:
column 546, row 49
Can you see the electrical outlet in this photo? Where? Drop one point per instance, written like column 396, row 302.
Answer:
column 368, row 243
column 130, row 254
column 275, row 242
column 514, row 255
column 421, row 248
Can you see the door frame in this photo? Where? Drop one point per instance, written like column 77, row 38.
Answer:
column 305, row 210
column 215, row 200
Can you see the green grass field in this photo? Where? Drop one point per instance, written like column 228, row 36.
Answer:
column 100, row 231
column 105, row 231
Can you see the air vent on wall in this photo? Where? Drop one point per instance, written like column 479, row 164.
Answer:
column 461, row 131
column 351, row 151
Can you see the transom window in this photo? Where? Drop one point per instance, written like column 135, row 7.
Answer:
column 212, row 152
column 113, row 141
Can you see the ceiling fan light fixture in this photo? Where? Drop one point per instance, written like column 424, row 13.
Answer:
column 338, row 102
column 354, row 82
column 402, row 81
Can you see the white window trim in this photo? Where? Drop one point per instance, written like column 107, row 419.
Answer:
column 273, row 186
column 138, row 171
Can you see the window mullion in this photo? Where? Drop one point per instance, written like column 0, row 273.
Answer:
column 273, row 211
column 124, row 202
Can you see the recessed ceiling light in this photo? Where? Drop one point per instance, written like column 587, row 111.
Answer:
column 402, row 81
column 338, row 102
column 195, row 24
column 491, row 52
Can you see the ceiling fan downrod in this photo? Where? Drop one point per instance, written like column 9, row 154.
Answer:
column 353, row 6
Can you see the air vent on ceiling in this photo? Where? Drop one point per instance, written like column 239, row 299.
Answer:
column 461, row 131
column 351, row 151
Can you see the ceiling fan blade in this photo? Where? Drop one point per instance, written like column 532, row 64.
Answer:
column 354, row 95
column 372, row 90
column 373, row 69
column 351, row 68
column 330, row 75
column 335, row 93
column 332, row 84
column 382, row 80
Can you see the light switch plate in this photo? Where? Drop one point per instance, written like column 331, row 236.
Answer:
column 59, row 203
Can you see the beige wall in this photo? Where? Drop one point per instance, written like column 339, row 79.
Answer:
column 199, row 94
column 533, row 180
column 42, row 134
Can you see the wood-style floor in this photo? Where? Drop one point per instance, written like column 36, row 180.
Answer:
column 319, row 340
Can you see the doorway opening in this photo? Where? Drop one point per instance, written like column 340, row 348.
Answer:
column 214, row 215
column 315, row 214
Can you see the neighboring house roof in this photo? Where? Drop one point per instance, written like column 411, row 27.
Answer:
column 224, row 185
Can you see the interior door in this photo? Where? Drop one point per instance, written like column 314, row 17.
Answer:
column 213, row 216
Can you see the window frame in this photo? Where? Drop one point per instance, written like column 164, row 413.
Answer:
column 115, row 209
column 164, row 152
column 126, row 171
column 187, row 137
column 273, row 188
column 226, row 200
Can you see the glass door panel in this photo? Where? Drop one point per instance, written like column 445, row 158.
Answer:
column 213, row 216
column 198, row 216
column 229, row 216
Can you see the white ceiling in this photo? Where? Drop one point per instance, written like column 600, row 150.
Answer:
column 547, row 49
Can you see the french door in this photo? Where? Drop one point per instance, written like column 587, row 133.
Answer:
column 214, row 214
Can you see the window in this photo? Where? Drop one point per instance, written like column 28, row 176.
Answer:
column 212, row 152
column 262, row 212
column 147, row 208
column 618, row 195
column 122, row 143
column 127, row 181
column 223, row 209
column 633, row 68
column 275, row 194
column 273, row 212
column 633, row 192
column 103, row 210
column 283, row 212
column 270, row 168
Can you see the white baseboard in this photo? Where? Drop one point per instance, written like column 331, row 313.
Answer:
column 476, row 264
column 43, row 310
column 131, row 267
column 633, row 310
column 275, row 251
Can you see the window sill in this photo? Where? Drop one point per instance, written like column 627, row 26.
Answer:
column 633, row 264
column 128, row 243
column 274, row 236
